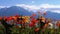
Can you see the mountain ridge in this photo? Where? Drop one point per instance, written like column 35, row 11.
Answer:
column 21, row 11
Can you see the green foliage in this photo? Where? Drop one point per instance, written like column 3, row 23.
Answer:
column 29, row 30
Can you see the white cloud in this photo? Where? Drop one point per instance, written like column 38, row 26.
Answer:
column 42, row 6
column 38, row 7
column 49, row 6
column 56, row 11
column 32, row 7
column 4, row 6
column 35, row 7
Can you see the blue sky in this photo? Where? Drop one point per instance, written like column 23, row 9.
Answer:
column 31, row 4
column 28, row 2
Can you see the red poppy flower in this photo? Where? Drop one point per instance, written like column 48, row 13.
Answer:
column 0, row 18
column 31, row 24
column 5, row 17
column 16, row 26
column 33, row 20
column 16, row 15
column 9, row 18
column 37, row 29
column 33, row 14
column 58, row 24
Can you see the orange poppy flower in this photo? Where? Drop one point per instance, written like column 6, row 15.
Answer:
column 45, row 25
column 37, row 29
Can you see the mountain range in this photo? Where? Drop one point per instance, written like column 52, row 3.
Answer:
column 19, row 10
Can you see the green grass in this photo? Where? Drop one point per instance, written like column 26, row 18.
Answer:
column 28, row 30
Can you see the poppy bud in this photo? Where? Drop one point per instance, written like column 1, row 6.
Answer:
column 44, row 13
